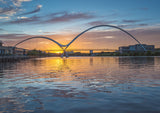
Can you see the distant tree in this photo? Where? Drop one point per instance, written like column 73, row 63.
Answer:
column 149, row 53
column 157, row 53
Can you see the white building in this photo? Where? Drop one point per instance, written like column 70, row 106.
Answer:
column 136, row 48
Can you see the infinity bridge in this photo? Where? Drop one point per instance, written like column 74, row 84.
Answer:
column 64, row 47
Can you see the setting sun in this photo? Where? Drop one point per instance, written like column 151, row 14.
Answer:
column 54, row 51
column 58, row 52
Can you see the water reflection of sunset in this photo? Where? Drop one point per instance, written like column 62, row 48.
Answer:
column 94, row 68
column 86, row 79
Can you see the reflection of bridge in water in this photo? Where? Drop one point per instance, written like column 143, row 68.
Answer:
column 64, row 47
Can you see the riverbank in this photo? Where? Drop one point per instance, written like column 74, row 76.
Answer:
column 13, row 58
column 148, row 53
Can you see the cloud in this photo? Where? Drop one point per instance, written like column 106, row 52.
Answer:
column 144, row 8
column 3, row 1
column 124, row 25
column 108, row 37
column 132, row 25
column 22, row 17
column 18, row 3
column 100, row 22
column 143, row 24
column 12, row 36
column 49, row 32
column 11, row 7
column 66, row 17
column 58, row 17
column 38, row 8
column 12, row 39
column 131, row 21
column 4, row 17
column 2, row 29
column 23, row 20
column 8, row 11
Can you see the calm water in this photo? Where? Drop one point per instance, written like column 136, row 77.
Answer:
column 81, row 85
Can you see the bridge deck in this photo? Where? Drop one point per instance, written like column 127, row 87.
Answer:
column 82, row 50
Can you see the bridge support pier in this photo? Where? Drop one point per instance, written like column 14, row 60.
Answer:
column 64, row 54
column 91, row 51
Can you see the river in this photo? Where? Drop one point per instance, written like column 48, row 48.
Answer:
column 81, row 85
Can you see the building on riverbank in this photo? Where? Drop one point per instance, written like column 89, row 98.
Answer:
column 9, row 50
column 136, row 48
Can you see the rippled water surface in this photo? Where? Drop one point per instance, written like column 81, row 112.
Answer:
column 81, row 85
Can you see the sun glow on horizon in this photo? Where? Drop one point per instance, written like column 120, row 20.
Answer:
column 54, row 51
column 58, row 52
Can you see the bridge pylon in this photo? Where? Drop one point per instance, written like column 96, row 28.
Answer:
column 64, row 54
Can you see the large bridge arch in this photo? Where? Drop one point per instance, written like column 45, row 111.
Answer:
column 105, row 26
column 60, row 45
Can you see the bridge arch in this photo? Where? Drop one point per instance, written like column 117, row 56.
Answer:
column 64, row 47
column 60, row 45
column 104, row 26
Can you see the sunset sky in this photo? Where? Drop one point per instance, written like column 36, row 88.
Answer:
column 62, row 20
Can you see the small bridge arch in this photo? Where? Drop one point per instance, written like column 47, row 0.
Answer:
column 60, row 45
